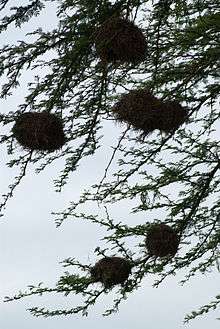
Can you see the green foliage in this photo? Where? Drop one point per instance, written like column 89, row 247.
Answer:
column 204, row 309
column 177, row 174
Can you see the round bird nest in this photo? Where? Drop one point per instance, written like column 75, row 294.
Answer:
column 140, row 109
column 39, row 131
column 172, row 116
column 118, row 39
column 162, row 241
column 111, row 271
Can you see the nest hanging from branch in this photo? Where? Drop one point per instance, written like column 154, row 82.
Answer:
column 172, row 116
column 143, row 111
column 111, row 271
column 39, row 131
column 118, row 39
column 162, row 240
column 140, row 109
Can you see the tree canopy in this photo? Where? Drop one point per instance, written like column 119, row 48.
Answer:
column 171, row 176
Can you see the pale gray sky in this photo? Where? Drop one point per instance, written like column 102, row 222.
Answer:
column 31, row 249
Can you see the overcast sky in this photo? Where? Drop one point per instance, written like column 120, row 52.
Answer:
column 31, row 249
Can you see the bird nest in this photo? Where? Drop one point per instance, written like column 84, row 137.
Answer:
column 143, row 111
column 39, row 131
column 162, row 240
column 140, row 109
column 172, row 116
column 118, row 39
column 111, row 271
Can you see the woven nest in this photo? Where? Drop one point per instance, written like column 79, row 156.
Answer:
column 111, row 271
column 140, row 109
column 118, row 39
column 172, row 116
column 39, row 131
column 162, row 241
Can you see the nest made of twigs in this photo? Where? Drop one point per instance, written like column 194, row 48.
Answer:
column 162, row 240
column 145, row 112
column 39, row 131
column 140, row 109
column 118, row 39
column 111, row 271
column 172, row 116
